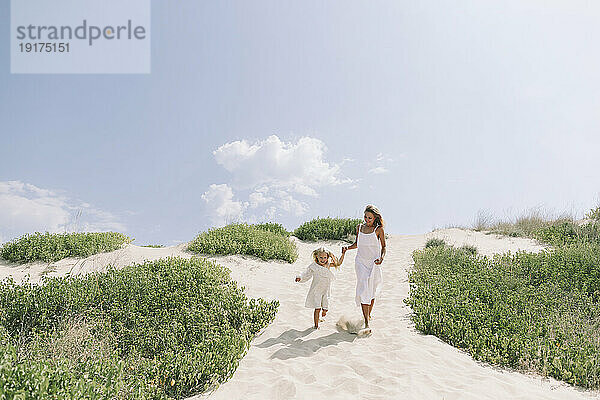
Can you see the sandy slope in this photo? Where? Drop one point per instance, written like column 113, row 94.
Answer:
column 291, row 360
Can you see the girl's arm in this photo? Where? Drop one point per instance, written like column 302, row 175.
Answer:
column 341, row 259
column 353, row 245
column 305, row 276
column 381, row 236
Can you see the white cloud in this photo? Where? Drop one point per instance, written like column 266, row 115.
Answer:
column 299, row 167
column 222, row 208
column 258, row 199
column 382, row 164
column 26, row 208
column 276, row 173
column 379, row 170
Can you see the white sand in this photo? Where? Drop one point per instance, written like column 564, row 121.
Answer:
column 291, row 360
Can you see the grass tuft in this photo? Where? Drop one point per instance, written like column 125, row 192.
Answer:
column 328, row 229
column 258, row 241
column 50, row 247
column 435, row 242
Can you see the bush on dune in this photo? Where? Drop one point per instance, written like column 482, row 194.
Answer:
column 435, row 242
column 51, row 247
column 273, row 227
column 258, row 241
column 172, row 327
column 534, row 312
column 327, row 229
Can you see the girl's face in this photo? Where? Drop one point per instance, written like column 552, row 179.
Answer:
column 369, row 218
column 322, row 258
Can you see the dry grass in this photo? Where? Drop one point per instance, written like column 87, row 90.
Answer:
column 525, row 225
column 75, row 342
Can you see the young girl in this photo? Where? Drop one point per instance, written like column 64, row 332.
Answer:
column 319, row 271
column 370, row 241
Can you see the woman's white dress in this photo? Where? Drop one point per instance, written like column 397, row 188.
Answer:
column 320, row 288
column 368, row 274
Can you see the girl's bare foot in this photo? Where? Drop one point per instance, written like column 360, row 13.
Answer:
column 316, row 327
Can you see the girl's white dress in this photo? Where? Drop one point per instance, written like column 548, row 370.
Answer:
column 320, row 288
column 368, row 274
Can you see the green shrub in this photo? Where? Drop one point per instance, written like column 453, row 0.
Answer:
column 566, row 233
column 51, row 247
column 327, row 229
column 435, row 242
column 594, row 214
column 172, row 327
column 527, row 311
column 154, row 246
column 245, row 239
column 469, row 249
column 273, row 227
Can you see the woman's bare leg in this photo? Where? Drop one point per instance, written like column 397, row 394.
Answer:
column 371, row 308
column 366, row 310
column 316, row 317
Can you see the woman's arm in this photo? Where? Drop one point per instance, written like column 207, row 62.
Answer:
column 353, row 245
column 381, row 236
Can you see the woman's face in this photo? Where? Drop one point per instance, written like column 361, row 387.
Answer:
column 369, row 218
column 322, row 258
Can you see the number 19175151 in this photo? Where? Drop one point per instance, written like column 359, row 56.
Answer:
column 42, row 47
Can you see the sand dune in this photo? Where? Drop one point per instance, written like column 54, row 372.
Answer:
column 291, row 360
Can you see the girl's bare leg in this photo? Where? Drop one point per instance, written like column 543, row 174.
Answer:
column 366, row 309
column 324, row 312
column 371, row 308
column 316, row 317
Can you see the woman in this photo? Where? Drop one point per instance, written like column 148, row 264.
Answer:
column 370, row 241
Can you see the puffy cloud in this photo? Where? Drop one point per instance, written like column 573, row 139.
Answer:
column 222, row 209
column 26, row 208
column 299, row 167
column 275, row 172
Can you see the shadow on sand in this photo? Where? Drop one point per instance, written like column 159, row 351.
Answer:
column 295, row 346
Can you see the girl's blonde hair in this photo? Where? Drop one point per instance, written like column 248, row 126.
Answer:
column 333, row 258
column 375, row 211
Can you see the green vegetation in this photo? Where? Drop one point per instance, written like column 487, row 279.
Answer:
column 51, row 247
column 594, row 214
column 273, row 227
column 530, row 311
column 164, row 329
column 246, row 239
column 328, row 229
column 154, row 246
column 469, row 249
column 434, row 242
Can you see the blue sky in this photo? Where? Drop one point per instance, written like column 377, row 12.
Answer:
column 290, row 110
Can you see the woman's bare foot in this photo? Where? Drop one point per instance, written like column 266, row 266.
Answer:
column 364, row 332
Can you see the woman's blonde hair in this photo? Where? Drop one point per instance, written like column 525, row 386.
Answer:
column 375, row 211
column 333, row 258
